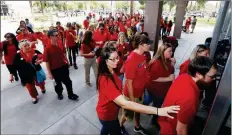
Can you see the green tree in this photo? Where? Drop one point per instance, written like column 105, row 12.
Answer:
column 141, row 2
column 142, row 7
column 94, row 5
column 201, row 4
column 171, row 4
column 41, row 5
column 103, row 6
column 123, row 5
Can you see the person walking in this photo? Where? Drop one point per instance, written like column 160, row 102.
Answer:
column 58, row 67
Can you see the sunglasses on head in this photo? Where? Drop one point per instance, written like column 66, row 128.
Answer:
column 24, row 40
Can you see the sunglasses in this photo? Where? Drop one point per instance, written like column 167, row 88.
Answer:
column 114, row 59
column 55, row 35
column 24, row 40
column 7, row 37
column 101, row 29
column 22, row 30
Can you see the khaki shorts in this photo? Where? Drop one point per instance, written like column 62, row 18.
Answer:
column 128, row 113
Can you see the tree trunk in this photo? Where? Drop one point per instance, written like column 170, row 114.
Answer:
column 131, row 7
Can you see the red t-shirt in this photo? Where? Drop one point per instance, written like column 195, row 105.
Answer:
column 69, row 40
column 113, row 37
column 11, row 52
column 184, row 67
column 98, row 37
column 60, row 31
column 86, row 24
column 29, row 37
column 122, row 28
column 128, row 23
column 135, row 69
column 55, row 57
column 123, row 49
column 107, row 110
column 158, row 70
column 185, row 93
column 87, row 49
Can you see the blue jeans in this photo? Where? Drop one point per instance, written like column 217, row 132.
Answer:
column 110, row 127
column 121, row 77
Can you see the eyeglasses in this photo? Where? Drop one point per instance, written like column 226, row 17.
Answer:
column 114, row 59
column 212, row 76
column 24, row 40
column 55, row 35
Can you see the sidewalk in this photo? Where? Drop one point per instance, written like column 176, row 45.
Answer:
column 52, row 116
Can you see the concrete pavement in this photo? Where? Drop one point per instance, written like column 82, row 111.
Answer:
column 52, row 116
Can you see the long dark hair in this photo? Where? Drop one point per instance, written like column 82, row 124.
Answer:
column 102, row 66
column 87, row 38
column 14, row 41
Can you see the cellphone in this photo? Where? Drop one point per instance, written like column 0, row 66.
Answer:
column 95, row 49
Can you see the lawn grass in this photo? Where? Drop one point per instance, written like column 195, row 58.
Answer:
column 212, row 21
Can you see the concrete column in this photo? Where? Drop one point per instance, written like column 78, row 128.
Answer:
column 152, row 14
column 218, row 27
column 226, row 24
column 180, row 12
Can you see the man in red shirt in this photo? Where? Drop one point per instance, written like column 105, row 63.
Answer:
column 24, row 34
column 100, row 36
column 57, row 67
column 86, row 23
column 123, row 26
column 185, row 92
column 60, row 30
column 70, row 41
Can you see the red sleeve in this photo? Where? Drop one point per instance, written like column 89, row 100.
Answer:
column 187, row 111
column 1, row 46
column 45, row 55
column 154, row 70
column 106, row 85
column 130, row 69
column 184, row 67
column 34, row 38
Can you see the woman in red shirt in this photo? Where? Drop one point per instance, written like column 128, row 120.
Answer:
column 9, row 47
column 113, row 35
column 27, row 62
column 199, row 50
column 161, row 75
column 88, row 50
column 110, row 97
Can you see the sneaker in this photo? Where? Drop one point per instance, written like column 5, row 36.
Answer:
column 35, row 101
column 140, row 130
column 16, row 79
column 43, row 91
column 73, row 97
column 75, row 67
column 60, row 97
column 123, row 131
column 89, row 84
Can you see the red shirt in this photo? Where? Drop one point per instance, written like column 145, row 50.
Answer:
column 29, row 37
column 185, row 93
column 122, row 28
column 113, row 37
column 100, row 37
column 70, row 40
column 135, row 69
column 87, row 49
column 55, row 57
column 107, row 110
column 158, row 70
column 86, row 24
column 184, row 67
column 11, row 52
column 123, row 49
column 128, row 23
column 60, row 31
column 42, row 37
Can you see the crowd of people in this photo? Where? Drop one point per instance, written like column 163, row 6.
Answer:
column 117, row 49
